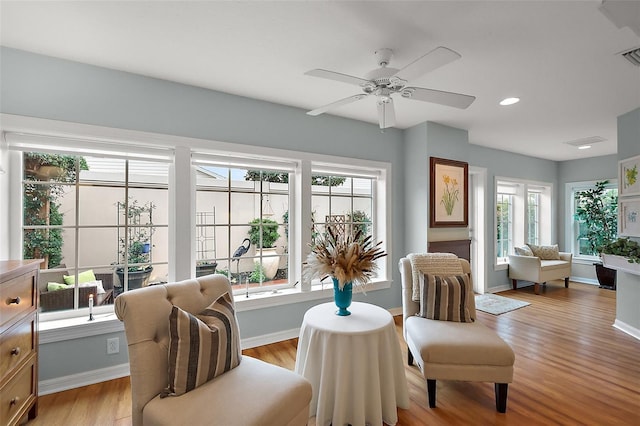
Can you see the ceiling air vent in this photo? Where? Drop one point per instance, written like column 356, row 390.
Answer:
column 586, row 141
column 633, row 56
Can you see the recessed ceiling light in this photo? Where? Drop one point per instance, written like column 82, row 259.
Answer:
column 509, row 101
column 584, row 147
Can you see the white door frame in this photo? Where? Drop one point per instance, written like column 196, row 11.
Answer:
column 478, row 227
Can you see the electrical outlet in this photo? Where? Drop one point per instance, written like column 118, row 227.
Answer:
column 113, row 346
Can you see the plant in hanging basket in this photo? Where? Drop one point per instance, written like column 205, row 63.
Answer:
column 347, row 258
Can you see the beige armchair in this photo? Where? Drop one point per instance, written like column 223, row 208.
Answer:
column 446, row 350
column 539, row 271
column 253, row 393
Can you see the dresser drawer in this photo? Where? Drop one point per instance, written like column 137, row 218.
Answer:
column 18, row 394
column 18, row 299
column 16, row 345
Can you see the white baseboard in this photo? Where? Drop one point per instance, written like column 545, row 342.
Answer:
column 59, row 384
column 266, row 339
column 584, row 280
column 396, row 311
column 626, row 328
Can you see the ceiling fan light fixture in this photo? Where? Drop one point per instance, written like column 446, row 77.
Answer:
column 509, row 101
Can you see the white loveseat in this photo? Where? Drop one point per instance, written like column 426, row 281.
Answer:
column 539, row 271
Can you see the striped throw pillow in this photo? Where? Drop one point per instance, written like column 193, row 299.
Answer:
column 202, row 346
column 445, row 298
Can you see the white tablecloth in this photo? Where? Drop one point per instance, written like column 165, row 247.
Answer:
column 354, row 364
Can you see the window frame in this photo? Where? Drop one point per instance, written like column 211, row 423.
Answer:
column 571, row 228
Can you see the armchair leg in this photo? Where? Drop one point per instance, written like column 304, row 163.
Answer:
column 409, row 357
column 431, row 392
column 514, row 283
column 536, row 288
column 566, row 282
column 501, row 397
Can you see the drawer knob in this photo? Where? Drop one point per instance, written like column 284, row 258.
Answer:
column 15, row 351
column 14, row 300
column 14, row 401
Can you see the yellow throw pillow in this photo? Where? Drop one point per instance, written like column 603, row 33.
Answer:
column 83, row 277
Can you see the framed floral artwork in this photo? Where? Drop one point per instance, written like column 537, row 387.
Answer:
column 629, row 220
column 448, row 193
column 629, row 178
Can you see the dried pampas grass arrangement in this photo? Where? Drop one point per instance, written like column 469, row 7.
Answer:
column 347, row 258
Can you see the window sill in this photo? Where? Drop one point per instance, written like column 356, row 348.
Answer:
column 57, row 329
column 292, row 295
column 501, row 266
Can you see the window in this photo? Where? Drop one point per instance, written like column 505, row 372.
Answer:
column 342, row 203
column 99, row 222
column 533, row 217
column 504, row 225
column 241, row 221
column 523, row 215
column 115, row 214
column 582, row 244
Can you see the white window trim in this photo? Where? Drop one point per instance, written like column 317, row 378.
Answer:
column 100, row 134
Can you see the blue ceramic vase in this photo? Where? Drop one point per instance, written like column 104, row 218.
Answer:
column 342, row 297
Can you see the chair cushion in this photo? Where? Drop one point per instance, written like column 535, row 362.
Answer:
column 444, row 298
column 549, row 265
column 255, row 393
column 446, row 342
column 201, row 347
column 523, row 251
column 545, row 252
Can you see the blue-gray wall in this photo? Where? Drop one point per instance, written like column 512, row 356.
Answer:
column 628, row 297
column 437, row 140
column 45, row 87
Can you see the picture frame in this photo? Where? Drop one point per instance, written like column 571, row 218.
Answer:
column 629, row 217
column 448, row 193
column 629, row 176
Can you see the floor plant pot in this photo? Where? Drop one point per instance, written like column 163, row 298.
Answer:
column 270, row 262
column 137, row 279
column 207, row 269
column 606, row 276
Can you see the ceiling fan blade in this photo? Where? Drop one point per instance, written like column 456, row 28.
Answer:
column 435, row 59
column 336, row 76
column 386, row 113
column 337, row 104
column 451, row 99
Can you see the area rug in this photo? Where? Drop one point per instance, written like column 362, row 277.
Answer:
column 496, row 305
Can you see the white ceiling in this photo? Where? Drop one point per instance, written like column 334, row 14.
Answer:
column 560, row 57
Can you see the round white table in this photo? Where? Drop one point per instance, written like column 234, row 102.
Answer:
column 354, row 364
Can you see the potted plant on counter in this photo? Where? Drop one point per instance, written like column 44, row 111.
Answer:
column 623, row 254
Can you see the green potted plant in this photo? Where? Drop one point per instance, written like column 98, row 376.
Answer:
column 597, row 212
column 263, row 234
column 136, row 246
column 622, row 253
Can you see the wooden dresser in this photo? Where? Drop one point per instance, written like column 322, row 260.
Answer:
column 18, row 340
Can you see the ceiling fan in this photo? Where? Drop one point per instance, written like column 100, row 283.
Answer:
column 385, row 81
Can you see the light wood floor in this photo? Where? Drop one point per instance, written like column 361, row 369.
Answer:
column 572, row 367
